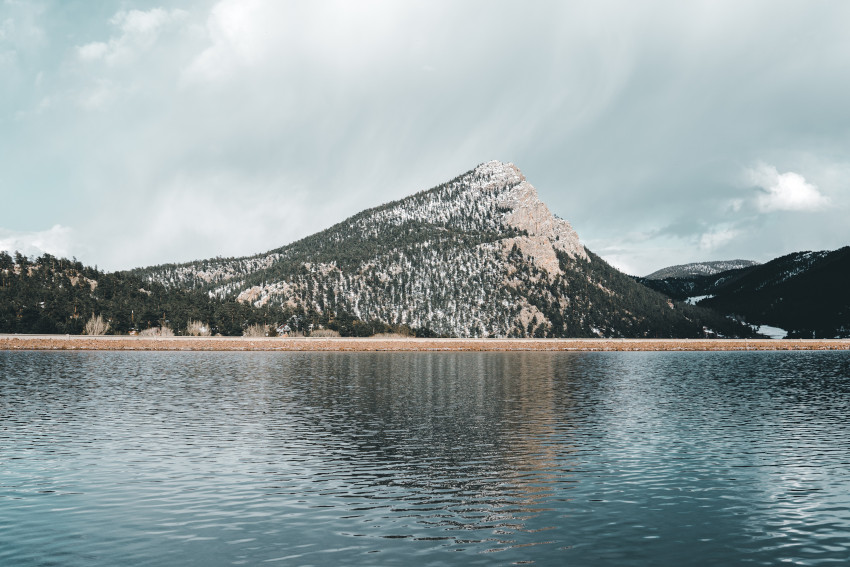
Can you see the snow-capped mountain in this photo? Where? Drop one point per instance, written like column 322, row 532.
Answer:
column 480, row 255
column 700, row 269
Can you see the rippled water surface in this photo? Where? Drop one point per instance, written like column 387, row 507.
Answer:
column 154, row 458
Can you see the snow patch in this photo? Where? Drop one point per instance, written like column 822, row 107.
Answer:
column 772, row 332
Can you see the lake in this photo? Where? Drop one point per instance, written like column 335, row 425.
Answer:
column 170, row 458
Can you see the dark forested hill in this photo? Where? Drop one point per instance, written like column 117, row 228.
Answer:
column 55, row 295
column 805, row 293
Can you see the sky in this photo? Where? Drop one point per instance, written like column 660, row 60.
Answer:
column 135, row 133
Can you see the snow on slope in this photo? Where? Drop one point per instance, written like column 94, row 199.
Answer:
column 480, row 255
column 700, row 269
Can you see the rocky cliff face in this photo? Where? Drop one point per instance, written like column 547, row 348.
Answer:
column 480, row 255
column 545, row 234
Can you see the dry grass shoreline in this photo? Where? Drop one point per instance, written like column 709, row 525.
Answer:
column 83, row 342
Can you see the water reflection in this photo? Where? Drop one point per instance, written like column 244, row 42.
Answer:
column 334, row 458
column 445, row 442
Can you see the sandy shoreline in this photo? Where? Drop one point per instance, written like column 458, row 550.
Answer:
column 76, row 342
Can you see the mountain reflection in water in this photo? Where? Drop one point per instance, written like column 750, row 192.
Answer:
column 438, row 458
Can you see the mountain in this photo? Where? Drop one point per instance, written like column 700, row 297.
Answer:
column 804, row 293
column 477, row 256
column 699, row 269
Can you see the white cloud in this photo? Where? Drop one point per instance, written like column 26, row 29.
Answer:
column 94, row 50
column 22, row 29
column 56, row 241
column 717, row 237
column 236, row 33
column 190, row 217
column 138, row 29
column 102, row 92
column 784, row 191
column 20, row 35
column 340, row 37
column 644, row 252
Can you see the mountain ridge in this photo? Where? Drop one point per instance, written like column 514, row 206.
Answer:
column 479, row 255
column 699, row 269
column 491, row 176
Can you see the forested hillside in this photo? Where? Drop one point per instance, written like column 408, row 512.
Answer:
column 478, row 256
column 55, row 295
column 805, row 293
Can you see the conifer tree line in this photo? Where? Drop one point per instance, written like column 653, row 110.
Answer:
column 55, row 295
column 49, row 295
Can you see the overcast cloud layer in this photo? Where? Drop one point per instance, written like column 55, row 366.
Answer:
column 134, row 132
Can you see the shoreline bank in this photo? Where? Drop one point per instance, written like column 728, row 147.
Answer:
column 130, row 343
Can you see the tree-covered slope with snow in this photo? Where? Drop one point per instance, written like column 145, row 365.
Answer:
column 700, row 269
column 805, row 293
column 57, row 295
column 480, row 255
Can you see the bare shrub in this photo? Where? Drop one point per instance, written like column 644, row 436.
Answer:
column 96, row 325
column 324, row 333
column 255, row 331
column 390, row 336
column 197, row 329
column 164, row 331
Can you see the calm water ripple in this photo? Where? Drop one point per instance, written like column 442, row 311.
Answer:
column 153, row 458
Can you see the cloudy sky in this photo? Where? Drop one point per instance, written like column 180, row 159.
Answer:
column 136, row 132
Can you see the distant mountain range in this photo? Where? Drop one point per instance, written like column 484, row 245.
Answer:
column 804, row 293
column 699, row 269
column 477, row 256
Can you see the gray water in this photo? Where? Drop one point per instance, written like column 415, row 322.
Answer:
column 152, row 458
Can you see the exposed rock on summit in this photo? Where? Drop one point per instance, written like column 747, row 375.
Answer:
column 546, row 233
column 530, row 214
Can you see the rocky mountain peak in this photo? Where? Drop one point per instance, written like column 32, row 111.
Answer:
column 498, row 174
column 479, row 255
column 524, row 211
